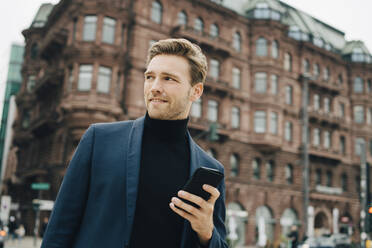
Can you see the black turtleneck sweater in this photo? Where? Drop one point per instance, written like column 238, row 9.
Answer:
column 165, row 163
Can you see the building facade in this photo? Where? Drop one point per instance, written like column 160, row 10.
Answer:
column 84, row 63
column 13, row 84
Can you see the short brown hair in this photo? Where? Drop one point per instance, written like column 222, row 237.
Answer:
column 186, row 49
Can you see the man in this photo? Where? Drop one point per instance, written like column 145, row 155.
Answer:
column 293, row 236
column 122, row 187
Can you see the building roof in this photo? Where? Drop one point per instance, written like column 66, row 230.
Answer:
column 354, row 45
column 42, row 14
column 327, row 36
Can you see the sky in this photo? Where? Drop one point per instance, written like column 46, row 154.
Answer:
column 353, row 17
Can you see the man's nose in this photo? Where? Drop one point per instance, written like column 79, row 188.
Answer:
column 157, row 86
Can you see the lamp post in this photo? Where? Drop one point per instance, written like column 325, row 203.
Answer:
column 304, row 79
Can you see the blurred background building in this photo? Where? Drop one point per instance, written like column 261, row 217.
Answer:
column 84, row 62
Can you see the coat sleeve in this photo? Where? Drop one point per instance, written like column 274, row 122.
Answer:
column 71, row 199
column 218, row 239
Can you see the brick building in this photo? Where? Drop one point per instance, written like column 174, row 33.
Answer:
column 84, row 63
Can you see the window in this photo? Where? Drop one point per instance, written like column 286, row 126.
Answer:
column 275, row 49
column 369, row 86
column 108, row 33
column 70, row 78
column 288, row 95
column 260, row 121
column 369, row 116
column 260, row 82
column 327, row 106
column 34, row 52
column 74, row 25
column 90, row 25
column 196, row 108
column 289, row 173
column 358, row 114
column 214, row 68
column 85, row 77
column 327, row 140
column 234, row 165
column 274, row 123
column 344, row 182
column 104, row 79
column 316, row 137
column 237, row 41
column 316, row 70
column 270, row 168
column 316, row 100
column 326, row 74
column 342, row 145
column 235, row 117
column 318, row 177
column 214, row 31
column 358, row 85
column 342, row 109
column 329, row 179
column 261, row 47
column 212, row 110
column 236, row 78
column 156, row 12
column 199, row 25
column 274, row 84
column 306, row 65
column 31, row 83
column 256, row 168
column 287, row 62
column 182, row 18
column 288, row 131
column 359, row 143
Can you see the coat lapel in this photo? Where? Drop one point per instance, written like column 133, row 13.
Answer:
column 133, row 167
column 187, row 236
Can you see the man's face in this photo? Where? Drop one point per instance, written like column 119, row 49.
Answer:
column 167, row 91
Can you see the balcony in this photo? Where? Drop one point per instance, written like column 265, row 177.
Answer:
column 325, row 86
column 205, row 40
column 52, row 78
column 53, row 43
column 217, row 86
column 266, row 142
column 45, row 121
column 329, row 154
column 324, row 118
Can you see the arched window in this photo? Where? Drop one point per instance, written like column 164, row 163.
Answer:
column 264, row 218
column 256, row 167
column 358, row 85
column 261, row 47
column 234, row 165
column 316, row 70
column 199, row 25
column 237, row 41
column 214, row 68
column 236, row 218
column 214, row 31
column 270, row 171
column 306, row 65
column 235, row 117
column 90, row 27
column 182, row 18
column 326, row 74
column 288, row 219
column 275, row 49
column 156, row 12
column 287, row 62
column 288, row 131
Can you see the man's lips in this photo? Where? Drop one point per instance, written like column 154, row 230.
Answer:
column 157, row 100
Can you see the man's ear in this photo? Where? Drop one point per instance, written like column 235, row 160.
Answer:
column 196, row 91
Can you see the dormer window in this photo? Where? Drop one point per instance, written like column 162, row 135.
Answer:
column 357, row 55
column 318, row 41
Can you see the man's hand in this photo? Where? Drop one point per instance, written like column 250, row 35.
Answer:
column 201, row 219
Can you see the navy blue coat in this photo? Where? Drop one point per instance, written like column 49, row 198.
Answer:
column 97, row 199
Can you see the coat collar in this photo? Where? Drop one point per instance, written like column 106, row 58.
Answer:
column 133, row 165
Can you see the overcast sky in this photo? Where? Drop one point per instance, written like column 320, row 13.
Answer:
column 353, row 17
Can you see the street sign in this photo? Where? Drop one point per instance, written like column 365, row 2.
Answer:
column 40, row 186
column 43, row 204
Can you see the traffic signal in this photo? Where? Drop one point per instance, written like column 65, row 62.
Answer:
column 212, row 132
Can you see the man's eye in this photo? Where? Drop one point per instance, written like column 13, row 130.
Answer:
column 148, row 77
column 168, row 78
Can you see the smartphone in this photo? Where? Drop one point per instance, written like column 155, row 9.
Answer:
column 202, row 175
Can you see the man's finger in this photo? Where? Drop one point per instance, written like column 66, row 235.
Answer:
column 180, row 212
column 213, row 191
column 186, row 207
column 191, row 197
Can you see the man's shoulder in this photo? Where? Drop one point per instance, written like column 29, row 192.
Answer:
column 117, row 126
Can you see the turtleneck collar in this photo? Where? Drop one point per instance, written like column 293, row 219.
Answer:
column 172, row 130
